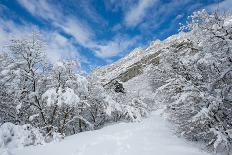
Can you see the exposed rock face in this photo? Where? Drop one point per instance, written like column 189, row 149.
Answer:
column 137, row 68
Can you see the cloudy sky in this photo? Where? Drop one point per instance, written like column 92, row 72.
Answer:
column 97, row 32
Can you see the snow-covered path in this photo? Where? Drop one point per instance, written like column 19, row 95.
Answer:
column 149, row 137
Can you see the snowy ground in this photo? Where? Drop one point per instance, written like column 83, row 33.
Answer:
column 152, row 136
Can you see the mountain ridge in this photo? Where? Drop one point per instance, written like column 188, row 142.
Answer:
column 133, row 64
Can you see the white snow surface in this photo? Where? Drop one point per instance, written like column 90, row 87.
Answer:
column 152, row 136
column 16, row 136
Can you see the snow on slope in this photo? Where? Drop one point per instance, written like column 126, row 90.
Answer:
column 152, row 136
column 112, row 71
column 109, row 72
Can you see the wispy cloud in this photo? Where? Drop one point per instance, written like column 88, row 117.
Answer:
column 58, row 46
column 79, row 30
column 142, row 17
column 136, row 13
column 69, row 24
column 9, row 30
column 40, row 8
column 90, row 12
column 164, row 16
column 118, row 45
column 148, row 15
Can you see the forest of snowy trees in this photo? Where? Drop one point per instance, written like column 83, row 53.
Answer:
column 42, row 102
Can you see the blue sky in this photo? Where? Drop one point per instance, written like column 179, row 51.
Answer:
column 97, row 32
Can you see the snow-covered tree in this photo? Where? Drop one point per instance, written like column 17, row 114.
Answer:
column 8, row 83
column 63, row 101
column 28, row 55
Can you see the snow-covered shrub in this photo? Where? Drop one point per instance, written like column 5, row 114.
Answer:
column 136, row 110
column 13, row 136
column 101, row 105
column 132, row 108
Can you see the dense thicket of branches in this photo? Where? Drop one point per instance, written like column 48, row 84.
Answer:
column 194, row 80
column 53, row 98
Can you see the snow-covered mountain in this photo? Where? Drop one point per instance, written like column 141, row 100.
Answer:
column 137, row 60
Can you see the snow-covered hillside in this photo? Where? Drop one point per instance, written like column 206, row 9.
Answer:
column 152, row 136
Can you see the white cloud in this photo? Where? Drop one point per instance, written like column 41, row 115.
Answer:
column 90, row 12
column 116, row 27
column 78, row 29
column 40, row 8
column 116, row 46
column 57, row 47
column 136, row 13
column 68, row 24
column 8, row 31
